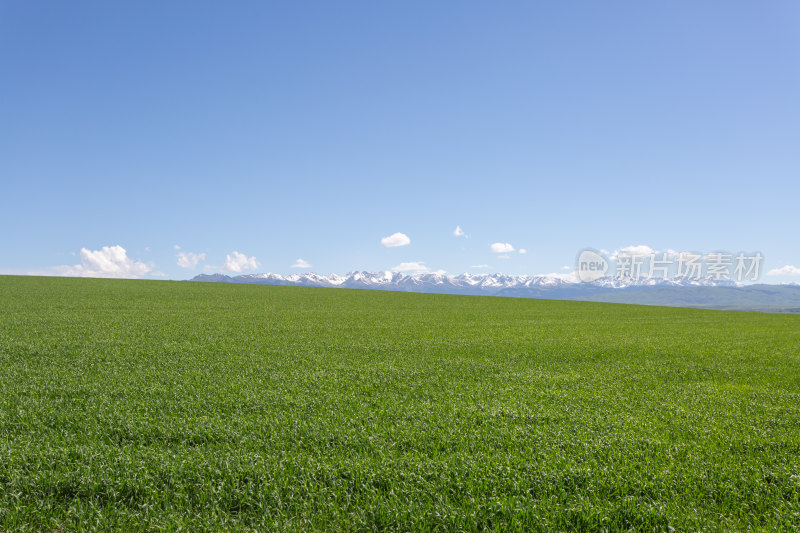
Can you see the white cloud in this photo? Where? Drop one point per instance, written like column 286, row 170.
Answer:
column 107, row 262
column 396, row 239
column 523, row 251
column 237, row 262
column 177, row 247
column 458, row 232
column 788, row 270
column 641, row 249
column 480, row 266
column 501, row 248
column 637, row 250
column 504, row 256
column 189, row 260
column 413, row 266
column 301, row 264
column 566, row 267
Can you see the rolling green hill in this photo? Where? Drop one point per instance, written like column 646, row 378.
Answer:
column 142, row 405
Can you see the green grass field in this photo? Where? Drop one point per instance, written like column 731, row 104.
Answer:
column 140, row 405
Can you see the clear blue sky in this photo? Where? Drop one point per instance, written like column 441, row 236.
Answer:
column 313, row 130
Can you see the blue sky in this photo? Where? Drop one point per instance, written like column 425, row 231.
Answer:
column 312, row 130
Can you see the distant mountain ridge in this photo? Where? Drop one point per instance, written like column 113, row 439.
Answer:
column 704, row 293
column 482, row 282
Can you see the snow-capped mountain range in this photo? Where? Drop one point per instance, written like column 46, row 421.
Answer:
column 493, row 284
column 706, row 293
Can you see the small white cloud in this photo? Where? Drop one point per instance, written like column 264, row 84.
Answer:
column 523, row 251
column 480, row 266
column 107, row 262
column 458, row 232
column 566, row 267
column 501, row 248
column 788, row 270
column 641, row 249
column 146, row 248
column 301, row 264
column 189, row 260
column 396, row 239
column 636, row 250
column 413, row 266
column 238, row 262
column 504, row 256
column 177, row 247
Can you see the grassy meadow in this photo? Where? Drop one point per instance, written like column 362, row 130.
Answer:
column 162, row 406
